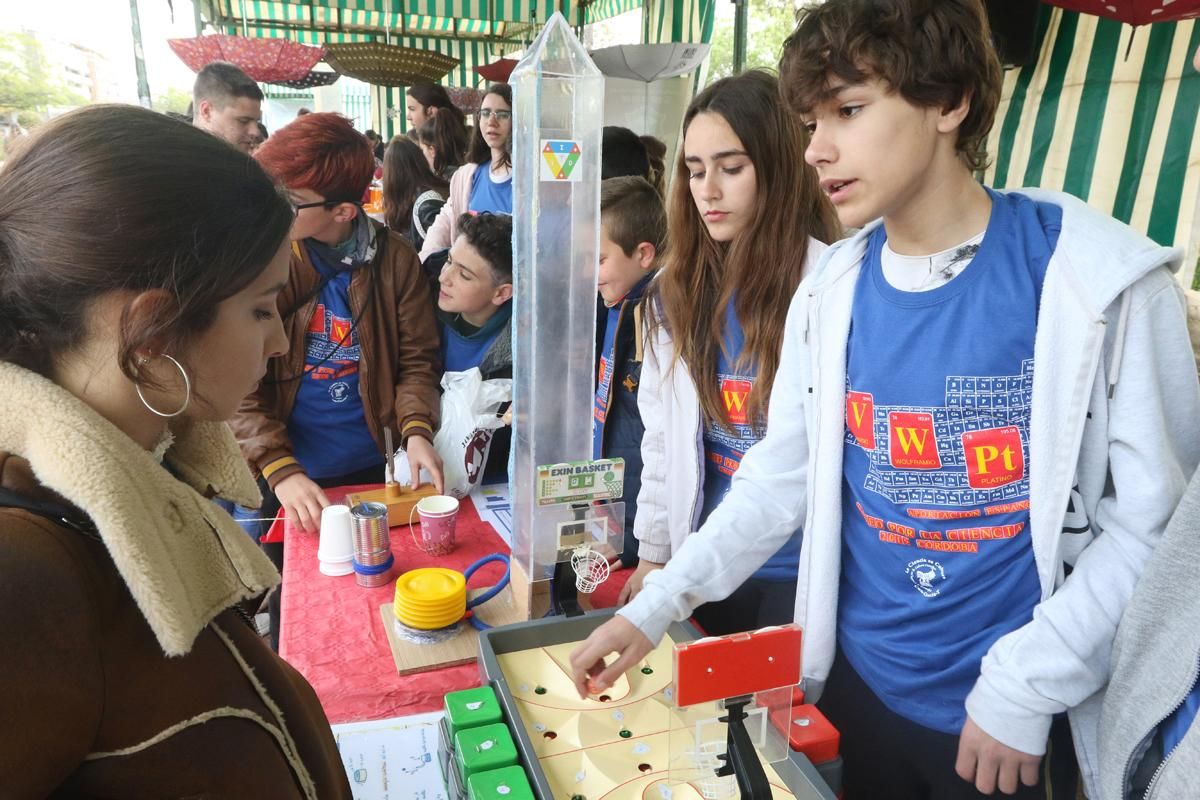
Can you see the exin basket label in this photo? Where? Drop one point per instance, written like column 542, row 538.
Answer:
column 580, row 481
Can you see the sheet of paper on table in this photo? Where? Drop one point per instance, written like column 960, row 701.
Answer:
column 392, row 759
column 495, row 508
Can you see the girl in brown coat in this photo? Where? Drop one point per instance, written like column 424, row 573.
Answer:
column 140, row 260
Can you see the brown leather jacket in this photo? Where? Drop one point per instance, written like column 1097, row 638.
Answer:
column 127, row 670
column 400, row 367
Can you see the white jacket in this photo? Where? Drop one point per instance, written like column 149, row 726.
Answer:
column 1114, row 433
column 671, row 500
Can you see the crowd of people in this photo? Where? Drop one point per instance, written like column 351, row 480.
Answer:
column 950, row 431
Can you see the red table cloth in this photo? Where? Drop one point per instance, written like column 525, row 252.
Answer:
column 332, row 632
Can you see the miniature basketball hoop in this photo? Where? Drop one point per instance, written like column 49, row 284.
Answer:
column 709, row 758
column 591, row 569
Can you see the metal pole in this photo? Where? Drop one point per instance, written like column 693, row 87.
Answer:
column 198, row 19
column 139, row 61
column 741, row 15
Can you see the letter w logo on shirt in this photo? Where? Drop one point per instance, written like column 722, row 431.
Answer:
column 912, row 444
column 735, row 393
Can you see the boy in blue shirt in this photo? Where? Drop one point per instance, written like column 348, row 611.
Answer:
column 475, row 297
column 633, row 226
column 973, row 394
column 475, row 312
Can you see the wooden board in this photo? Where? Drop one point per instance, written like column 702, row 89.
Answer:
column 462, row 649
column 400, row 505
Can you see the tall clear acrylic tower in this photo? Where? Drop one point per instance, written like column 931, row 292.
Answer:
column 558, row 109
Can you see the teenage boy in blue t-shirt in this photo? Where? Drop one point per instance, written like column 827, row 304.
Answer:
column 475, row 312
column 984, row 416
column 633, row 226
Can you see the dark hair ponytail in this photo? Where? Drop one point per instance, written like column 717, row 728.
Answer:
column 448, row 137
column 117, row 198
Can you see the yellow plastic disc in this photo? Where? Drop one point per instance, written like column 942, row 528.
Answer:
column 430, row 598
column 431, row 585
column 430, row 624
column 440, row 611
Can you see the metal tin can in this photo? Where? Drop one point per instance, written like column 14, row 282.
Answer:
column 369, row 523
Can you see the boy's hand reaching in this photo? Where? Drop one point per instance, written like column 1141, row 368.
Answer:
column 421, row 455
column 619, row 636
column 990, row 765
column 302, row 501
column 634, row 584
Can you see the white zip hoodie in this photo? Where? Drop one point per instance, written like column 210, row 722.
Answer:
column 670, row 500
column 1114, row 435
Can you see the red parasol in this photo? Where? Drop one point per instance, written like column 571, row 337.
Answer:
column 266, row 60
column 498, row 71
column 1134, row 12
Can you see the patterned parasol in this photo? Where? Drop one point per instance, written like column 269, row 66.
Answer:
column 388, row 65
column 266, row 60
column 1134, row 12
column 465, row 98
column 310, row 80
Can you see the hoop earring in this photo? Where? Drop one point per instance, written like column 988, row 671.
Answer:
column 187, row 386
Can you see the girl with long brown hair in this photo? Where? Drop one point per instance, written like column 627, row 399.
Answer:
column 746, row 222
column 412, row 193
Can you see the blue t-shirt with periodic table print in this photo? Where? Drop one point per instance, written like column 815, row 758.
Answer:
column 327, row 427
column 724, row 447
column 936, row 556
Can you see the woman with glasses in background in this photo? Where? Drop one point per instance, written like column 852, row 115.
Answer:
column 484, row 183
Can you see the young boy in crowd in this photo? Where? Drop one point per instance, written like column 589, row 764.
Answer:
column 633, row 226
column 475, row 312
column 973, row 395
column 363, row 353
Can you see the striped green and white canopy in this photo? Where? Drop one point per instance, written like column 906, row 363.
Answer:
column 1108, row 114
column 321, row 21
column 476, row 32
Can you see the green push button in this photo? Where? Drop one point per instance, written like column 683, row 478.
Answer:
column 508, row 783
column 471, row 708
column 483, row 748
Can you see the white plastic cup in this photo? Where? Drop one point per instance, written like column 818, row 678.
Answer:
column 336, row 548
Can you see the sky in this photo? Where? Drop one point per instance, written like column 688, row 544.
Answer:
column 105, row 26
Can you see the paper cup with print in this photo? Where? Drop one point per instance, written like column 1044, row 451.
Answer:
column 438, row 514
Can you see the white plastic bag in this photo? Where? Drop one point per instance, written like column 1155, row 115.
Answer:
column 470, row 407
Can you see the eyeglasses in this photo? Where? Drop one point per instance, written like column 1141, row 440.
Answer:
column 488, row 113
column 298, row 207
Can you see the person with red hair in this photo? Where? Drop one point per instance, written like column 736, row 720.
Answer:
column 364, row 352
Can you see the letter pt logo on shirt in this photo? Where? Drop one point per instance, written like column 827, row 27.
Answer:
column 994, row 457
column 912, row 444
column 735, row 394
column 860, row 418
